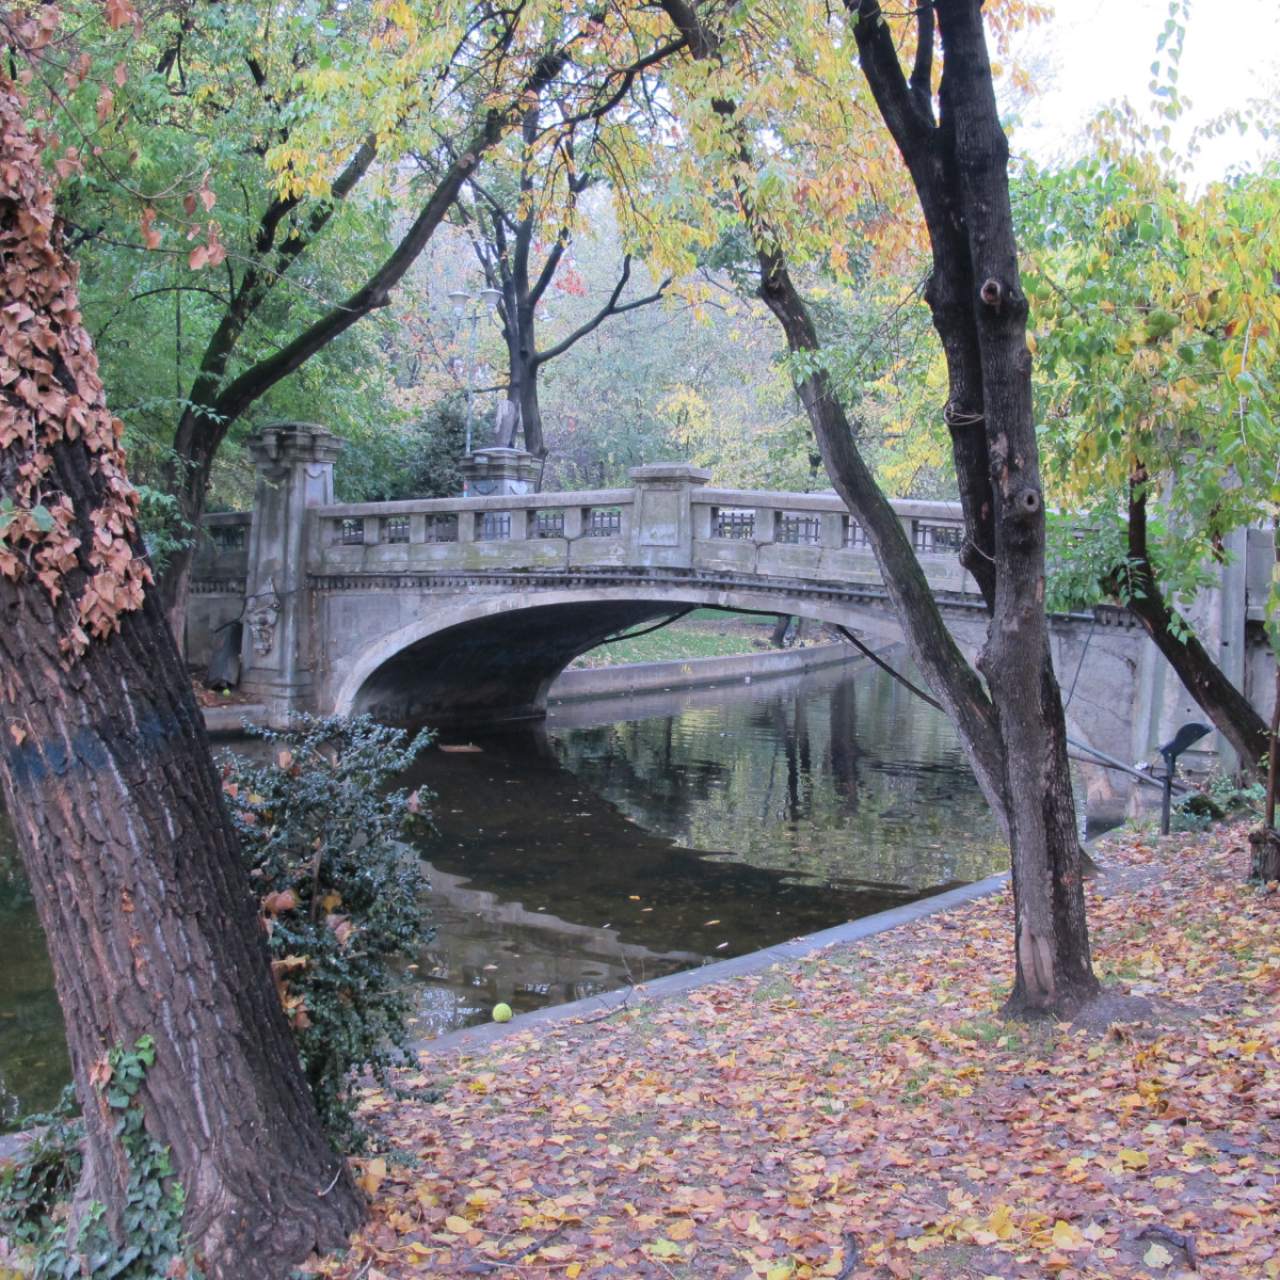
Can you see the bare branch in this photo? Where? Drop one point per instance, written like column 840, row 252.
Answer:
column 610, row 308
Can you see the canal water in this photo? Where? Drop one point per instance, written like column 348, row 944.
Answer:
column 628, row 839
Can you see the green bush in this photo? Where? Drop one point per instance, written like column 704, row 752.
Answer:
column 341, row 893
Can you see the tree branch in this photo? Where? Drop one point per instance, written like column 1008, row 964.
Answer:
column 889, row 86
column 376, row 291
column 922, row 71
column 610, row 308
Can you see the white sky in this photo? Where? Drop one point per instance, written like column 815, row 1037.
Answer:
column 1094, row 51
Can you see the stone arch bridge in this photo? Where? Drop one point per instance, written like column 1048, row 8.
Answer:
column 467, row 609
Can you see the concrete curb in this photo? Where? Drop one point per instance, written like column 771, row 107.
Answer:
column 470, row 1039
column 639, row 677
column 223, row 720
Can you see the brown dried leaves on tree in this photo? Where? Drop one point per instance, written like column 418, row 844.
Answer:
column 51, row 397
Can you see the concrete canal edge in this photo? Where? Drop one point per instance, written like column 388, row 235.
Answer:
column 472, row 1039
column 644, row 677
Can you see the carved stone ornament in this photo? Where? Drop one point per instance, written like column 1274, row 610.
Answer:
column 264, row 613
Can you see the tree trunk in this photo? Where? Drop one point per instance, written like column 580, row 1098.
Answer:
column 1054, row 970
column 195, row 445
column 952, row 680
column 531, row 415
column 1228, row 709
column 220, row 399
column 152, row 930
column 133, row 865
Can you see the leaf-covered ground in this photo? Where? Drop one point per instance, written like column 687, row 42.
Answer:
column 868, row 1114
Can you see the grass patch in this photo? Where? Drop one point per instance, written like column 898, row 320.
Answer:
column 704, row 633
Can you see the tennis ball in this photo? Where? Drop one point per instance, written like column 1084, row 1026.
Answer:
column 502, row 1013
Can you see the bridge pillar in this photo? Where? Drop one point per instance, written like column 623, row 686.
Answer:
column 293, row 462
column 662, row 526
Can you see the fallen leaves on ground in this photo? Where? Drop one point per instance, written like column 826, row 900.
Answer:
column 868, row 1113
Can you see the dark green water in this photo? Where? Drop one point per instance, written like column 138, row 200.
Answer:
column 600, row 850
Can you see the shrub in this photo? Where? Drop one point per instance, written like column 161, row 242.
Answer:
column 341, row 894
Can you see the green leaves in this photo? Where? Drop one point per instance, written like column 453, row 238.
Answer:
column 1156, row 325
column 35, row 1191
column 342, row 895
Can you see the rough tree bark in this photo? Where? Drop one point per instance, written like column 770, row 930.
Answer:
column 1228, row 709
column 1052, row 944
column 106, row 773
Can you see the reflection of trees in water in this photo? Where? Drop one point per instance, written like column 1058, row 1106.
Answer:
column 33, row 1060
column 13, row 879
column 850, row 779
column 842, row 748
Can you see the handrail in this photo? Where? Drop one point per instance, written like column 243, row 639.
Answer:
column 498, row 502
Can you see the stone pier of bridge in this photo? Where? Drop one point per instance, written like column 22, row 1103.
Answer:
column 467, row 609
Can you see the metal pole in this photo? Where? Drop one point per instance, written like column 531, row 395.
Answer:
column 1167, row 799
column 471, row 373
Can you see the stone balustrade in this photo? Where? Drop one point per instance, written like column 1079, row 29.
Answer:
column 669, row 520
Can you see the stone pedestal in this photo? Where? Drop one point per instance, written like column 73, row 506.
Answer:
column 497, row 472
column 294, row 471
column 662, row 522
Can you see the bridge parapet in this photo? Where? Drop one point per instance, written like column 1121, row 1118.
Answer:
column 668, row 521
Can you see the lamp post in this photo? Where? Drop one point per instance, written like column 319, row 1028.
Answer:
column 1187, row 736
column 467, row 307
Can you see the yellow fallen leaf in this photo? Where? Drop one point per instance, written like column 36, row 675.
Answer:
column 1000, row 1223
column 375, row 1172
column 1157, row 1257
column 459, row 1226
column 573, row 1270
column 1065, row 1236
column 681, row 1230
column 1132, row 1158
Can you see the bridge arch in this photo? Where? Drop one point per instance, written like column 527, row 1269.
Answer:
column 496, row 656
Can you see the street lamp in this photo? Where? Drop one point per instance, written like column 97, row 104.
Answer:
column 1187, row 736
column 463, row 308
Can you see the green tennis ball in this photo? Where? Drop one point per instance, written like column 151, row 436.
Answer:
column 502, row 1013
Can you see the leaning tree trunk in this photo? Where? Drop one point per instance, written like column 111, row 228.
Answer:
column 931, row 646
column 106, row 773
column 1266, row 840
column 1228, row 709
